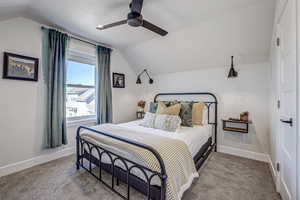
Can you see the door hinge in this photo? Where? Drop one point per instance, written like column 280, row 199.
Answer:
column 278, row 104
column 278, row 167
column 278, row 41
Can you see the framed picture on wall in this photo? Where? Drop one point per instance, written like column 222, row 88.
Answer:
column 20, row 67
column 118, row 80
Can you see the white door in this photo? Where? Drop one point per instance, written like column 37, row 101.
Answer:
column 288, row 98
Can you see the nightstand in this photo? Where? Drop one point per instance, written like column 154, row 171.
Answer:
column 140, row 114
column 244, row 129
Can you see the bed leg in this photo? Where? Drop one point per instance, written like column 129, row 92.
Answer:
column 77, row 166
column 118, row 182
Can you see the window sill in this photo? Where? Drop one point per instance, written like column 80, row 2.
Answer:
column 78, row 122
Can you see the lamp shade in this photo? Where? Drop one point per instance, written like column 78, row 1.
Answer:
column 232, row 72
column 150, row 81
column 138, row 81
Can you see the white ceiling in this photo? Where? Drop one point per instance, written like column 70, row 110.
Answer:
column 202, row 33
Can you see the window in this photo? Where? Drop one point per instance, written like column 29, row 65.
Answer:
column 80, row 90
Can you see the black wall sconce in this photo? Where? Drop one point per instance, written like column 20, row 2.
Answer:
column 232, row 73
column 138, row 81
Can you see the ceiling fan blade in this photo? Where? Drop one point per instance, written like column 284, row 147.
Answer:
column 112, row 25
column 136, row 6
column 154, row 28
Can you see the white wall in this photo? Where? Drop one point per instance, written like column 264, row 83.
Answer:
column 21, row 102
column 124, row 100
column 248, row 92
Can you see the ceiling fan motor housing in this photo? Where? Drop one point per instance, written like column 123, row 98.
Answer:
column 134, row 19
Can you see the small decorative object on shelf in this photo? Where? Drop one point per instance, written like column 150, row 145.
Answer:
column 233, row 121
column 140, row 114
column 141, row 105
column 244, row 116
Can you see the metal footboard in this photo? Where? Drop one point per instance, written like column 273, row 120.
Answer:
column 82, row 145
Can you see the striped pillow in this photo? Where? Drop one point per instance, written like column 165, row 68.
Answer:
column 167, row 122
column 148, row 120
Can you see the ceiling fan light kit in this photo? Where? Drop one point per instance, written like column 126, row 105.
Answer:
column 135, row 19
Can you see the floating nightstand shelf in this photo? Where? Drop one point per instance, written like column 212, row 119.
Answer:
column 236, row 129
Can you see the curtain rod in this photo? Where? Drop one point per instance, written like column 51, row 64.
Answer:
column 78, row 38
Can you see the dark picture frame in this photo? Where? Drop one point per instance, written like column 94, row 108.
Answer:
column 118, row 80
column 19, row 67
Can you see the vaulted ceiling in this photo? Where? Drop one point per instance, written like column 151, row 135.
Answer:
column 202, row 33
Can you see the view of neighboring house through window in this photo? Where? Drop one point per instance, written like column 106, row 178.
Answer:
column 80, row 97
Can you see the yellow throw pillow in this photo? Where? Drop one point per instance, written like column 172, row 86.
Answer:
column 198, row 109
column 162, row 109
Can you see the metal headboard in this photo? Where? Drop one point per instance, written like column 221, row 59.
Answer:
column 207, row 104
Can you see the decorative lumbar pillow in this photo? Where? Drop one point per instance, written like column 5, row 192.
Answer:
column 152, row 107
column 167, row 122
column 148, row 120
column 197, row 113
column 162, row 109
column 186, row 114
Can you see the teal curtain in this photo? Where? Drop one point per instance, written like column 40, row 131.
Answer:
column 103, row 86
column 54, row 68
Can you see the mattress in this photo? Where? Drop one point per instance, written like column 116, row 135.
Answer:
column 194, row 137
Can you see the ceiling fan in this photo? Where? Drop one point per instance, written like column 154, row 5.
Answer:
column 135, row 19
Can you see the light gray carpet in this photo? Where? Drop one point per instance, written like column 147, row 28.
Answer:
column 223, row 177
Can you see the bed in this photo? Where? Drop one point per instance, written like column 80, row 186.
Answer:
column 126, row 152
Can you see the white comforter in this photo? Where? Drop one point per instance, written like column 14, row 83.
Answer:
column 194, row 137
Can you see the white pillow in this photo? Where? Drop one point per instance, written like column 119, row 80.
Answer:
column 167, row 122
column 148, row 120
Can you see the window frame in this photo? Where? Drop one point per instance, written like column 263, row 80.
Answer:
column 84, row 58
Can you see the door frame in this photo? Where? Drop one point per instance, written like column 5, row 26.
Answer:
column 278, row 74
column 298, row 93
column 297, row 120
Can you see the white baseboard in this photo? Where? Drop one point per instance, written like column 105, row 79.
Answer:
column 244, row 153
column 273, row 171
column 275, row 175
column 284, row 192
column 15, row 167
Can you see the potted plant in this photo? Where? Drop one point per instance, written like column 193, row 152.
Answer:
column 141, row 105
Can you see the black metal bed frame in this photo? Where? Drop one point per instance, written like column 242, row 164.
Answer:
column 84, row 150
